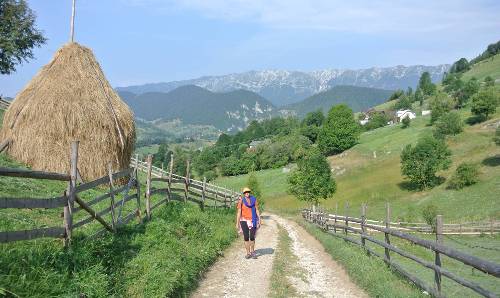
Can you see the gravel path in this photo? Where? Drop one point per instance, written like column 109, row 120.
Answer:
column 322, row 276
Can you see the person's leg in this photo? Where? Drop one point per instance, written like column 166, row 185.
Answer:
column 246, row 235
column 252, row 240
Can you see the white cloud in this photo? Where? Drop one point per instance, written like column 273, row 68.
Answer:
column 367, row 16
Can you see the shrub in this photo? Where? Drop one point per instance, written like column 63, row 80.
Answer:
column 484, row 103
column 449, row 124
column 253, row 184
column 429, row 213
column 496, row 138
column 210, row 175
column 403, row 103
column 421, row 162
column 377, row 120
column 466, row 92
column 489, row 82
column 312, row 179
column 440, row 104
column 340, row 132
column 405, row 122
column 466, row 174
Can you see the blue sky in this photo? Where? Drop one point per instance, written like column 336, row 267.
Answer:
column 141, row 41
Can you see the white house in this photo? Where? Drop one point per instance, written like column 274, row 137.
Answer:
column 401, row 114
column 364, row 121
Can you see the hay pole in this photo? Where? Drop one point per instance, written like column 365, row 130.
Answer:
column 72, row 30
column 112, row 196
column 4, row 145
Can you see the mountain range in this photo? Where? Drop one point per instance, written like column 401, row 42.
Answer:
column 230, row 111
column 283, row 87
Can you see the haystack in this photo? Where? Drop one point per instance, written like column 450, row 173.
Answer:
column 70, row 99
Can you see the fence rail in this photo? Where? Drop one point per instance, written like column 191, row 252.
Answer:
column 466, row 228
column 4, row 105
column 114, row 200
column 342, row 227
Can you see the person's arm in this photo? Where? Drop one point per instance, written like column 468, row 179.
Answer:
column 258, row 214
column 238, row 214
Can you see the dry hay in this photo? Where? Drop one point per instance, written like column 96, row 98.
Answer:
column 70, row 99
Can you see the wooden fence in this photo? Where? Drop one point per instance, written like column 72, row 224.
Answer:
column 193, row 190
column 117, row 196
column 4, row 104
column 464, row 228
column 342, row 227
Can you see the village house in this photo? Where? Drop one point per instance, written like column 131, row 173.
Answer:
column 401, row 114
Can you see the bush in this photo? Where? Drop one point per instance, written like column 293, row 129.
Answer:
column 253, row 184
column 403, row 103
column 440, row 104
column 496, row 138
column 377, row 120
column 489, row 81
column 449, row 124
column 421, row 162
column 312, row 179
column 405, row 122
column 466, row 174
column 466, row 92
column 484, row 103
column 340, row 132
column 429, row 213
column 210, row 175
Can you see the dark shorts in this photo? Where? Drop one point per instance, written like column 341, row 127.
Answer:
column 248, row 234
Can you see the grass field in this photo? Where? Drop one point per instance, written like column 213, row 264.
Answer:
column 372, row 275
column 362, row 178
column 163, row 257
column 489, row 67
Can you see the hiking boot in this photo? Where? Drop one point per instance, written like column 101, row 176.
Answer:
column 248, row 256
column 254, row 255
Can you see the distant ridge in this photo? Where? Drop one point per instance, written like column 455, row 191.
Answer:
column 283, row 87
column 230, row 111
column 357, row 98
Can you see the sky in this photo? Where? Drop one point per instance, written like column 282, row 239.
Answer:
column 145, row 41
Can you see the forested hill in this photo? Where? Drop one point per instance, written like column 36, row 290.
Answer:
column 357, row 98
column 229, row 111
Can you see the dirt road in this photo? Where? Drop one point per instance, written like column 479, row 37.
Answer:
column 234, row 276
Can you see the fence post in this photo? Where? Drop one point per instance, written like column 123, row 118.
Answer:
column 386, row 235
column 186, row 181
column 363, row 222
column 170, row 173
column 68, row 209
column 439, row 240
column 111, row 195
column 346, row 217
column 203, row 193
column 148, row 186
column 335, row 218
column 138, row 186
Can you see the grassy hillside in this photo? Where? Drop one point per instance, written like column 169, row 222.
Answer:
column 489, row 67
column 374, row 178
column 363, row 178
column 358, row 99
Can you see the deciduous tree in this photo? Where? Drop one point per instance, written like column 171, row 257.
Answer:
column 18, row 34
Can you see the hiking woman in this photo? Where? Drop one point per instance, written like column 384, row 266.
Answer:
column 248, row 221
